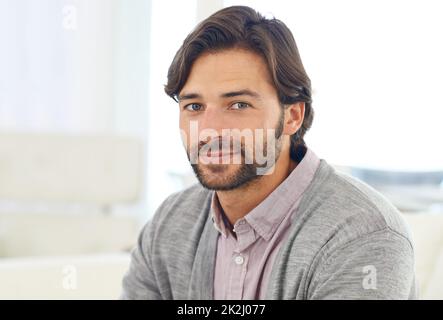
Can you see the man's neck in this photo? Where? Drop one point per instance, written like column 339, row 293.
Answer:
column 239, row 202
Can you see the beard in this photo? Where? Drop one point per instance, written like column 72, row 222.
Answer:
column 225, row 177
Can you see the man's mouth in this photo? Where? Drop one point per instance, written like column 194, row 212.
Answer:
column 218, row 156
column 219, row 153
column 222, row 154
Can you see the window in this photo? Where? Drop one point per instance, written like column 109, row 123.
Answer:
column 377, row 72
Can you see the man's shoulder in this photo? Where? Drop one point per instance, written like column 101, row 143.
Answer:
column 350, row 208
column 192, row 195
column 184, row 205
column 376, row 208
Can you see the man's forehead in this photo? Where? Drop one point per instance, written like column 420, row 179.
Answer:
column 229, row 63
column 229, row 70
column 226, row 75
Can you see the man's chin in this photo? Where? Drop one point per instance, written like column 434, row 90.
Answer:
column 223, row 177
column 216, row 176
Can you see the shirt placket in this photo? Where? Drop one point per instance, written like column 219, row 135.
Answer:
column 239, row 259
column 239, row 263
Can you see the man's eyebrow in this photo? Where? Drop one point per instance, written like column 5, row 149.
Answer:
column 188, row 96
column 244, row 92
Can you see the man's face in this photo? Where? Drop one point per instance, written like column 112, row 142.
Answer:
column 227, row 90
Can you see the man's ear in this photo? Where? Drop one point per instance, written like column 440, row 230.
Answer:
column 294, row 115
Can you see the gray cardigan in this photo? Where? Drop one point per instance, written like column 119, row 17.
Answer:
column 346, row 242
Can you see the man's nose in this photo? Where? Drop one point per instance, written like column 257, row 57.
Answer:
column 212, row 119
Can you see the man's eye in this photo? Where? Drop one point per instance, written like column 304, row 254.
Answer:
column 239, row 105
column 193, row 107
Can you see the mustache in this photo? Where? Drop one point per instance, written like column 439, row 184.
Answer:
column 221, row 144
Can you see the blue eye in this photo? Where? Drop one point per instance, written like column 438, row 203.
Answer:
column 193, row 107
column 239, row 105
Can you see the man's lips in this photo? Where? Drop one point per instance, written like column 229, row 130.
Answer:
column 220, row 154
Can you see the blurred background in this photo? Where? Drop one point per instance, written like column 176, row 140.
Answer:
column 90, row 146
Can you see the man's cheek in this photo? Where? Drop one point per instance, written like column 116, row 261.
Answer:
column 184, row 135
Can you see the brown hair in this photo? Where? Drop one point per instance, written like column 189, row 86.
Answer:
column 241, row 26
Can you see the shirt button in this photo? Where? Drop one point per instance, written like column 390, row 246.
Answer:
column 239, row 260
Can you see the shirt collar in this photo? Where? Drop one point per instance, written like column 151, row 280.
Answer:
column 267, row 216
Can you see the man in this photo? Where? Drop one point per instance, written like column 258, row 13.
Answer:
column 280, row 223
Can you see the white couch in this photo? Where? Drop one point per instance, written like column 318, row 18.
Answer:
column 40, row 253
column 58, row 220
column 96, row 276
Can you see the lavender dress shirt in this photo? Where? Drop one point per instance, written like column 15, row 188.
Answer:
column 244, row 263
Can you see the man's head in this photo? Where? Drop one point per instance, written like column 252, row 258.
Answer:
column 238, row 70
